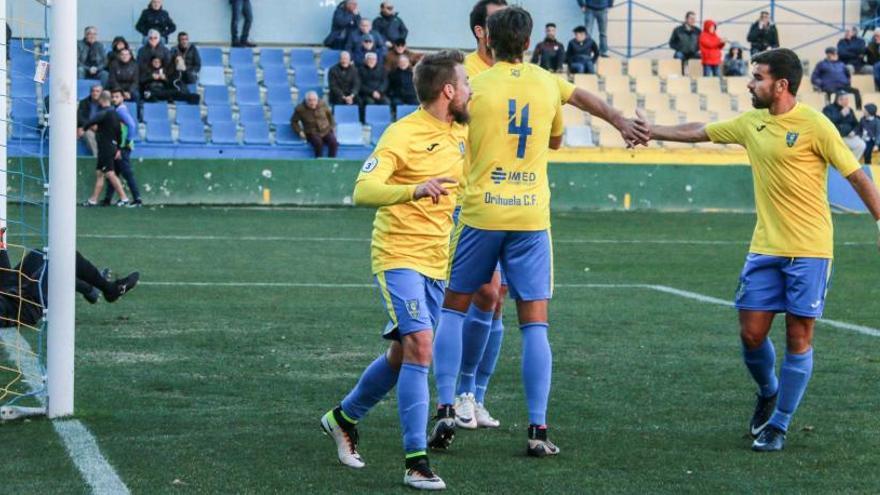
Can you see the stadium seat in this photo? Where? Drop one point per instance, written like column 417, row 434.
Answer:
column 404, row 110
column 159, row 131
column 609, row 67
column 275, row 75
column 219, row 113
column 248, row 95
column 256, row 133
column 241, row 57
column 277, row 94
column 345, row 114
column 708, row 85
column 284, row 136
column 351, row 133
column 281, row 114
column 271, row 57
column 744, row 101
column 23, row 108
column 306, row 76
column 717, row 102
column 248, row 114
column 26, row 129
column 589, row 82
column 578, row 136
column 625, row 102
column 328, row 58
column 212, row 76
column 678, row 85
column 647, row 85
column 572, row 115
column 302, row 90
column 211, row 57
column 669, row 117
column 302, row 57
column 640, row 67
column 377, row 114
column 244, row 76
column 617, row 83
column 22, row 65
column 810, row 98
column 610, row 138
column 697, row 116
column 191, row 132
column 657, row 102
column 725, row 114
column 863, row 82
column 737, row 85
column 23, row 87
column 155, row 112
column 216, row 95
column 224, row 133
column 376, row 131
column 188, row 113
column 670, row 67
column 688, row 102
column 84, row 87
column 695, row 70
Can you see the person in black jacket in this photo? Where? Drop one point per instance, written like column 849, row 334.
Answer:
column 242, row 8
column 153, row 48
column 549, row 54
column 844, row 119
column 344, row 82
column 161, row 83
column 374, row 82
column 389, row 24
column 124, row 74
column 852, row 50
column 401, row 89
column 119, row 43
column 155, row 17
column 87, row 109
column 685, row 40
column 109, row 138
column 762, row 34
column 582, row 53
column 346, row 18
column 187, row 61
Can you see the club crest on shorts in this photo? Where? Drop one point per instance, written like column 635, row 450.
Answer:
column 791, row 138
column 412, row 306
column 370, row 165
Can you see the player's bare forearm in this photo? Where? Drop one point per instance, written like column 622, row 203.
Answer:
column 634, row 131
column 693, row 132
column 555, row 142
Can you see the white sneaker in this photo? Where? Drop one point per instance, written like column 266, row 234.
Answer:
column 421, row 477
column 346, row 441
column 484, row 419
column 465, row 411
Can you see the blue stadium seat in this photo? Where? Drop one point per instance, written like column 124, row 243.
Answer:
column 211, row 56
column 22, row 64
column 224, row 133
column 376, row 131
column 275, row 75
column 277, row 94
column 155, row 112
column 248, row 95
column 241, row 57
column 23, row 87
column 219, row 113
column 188, row 113
column 305, row 89
column 243, row 76
column 346, row 114
column 284, row 136
column 212, row 76
column 84, row 87
column 302, row 57
column 159, row 131
column 192, row 132
column 256, row 133
column 404, row 110
column 216, row 95
column 25, row 129
column 281, row 114
column 271, row 57
column 377, row 114
column 329, row 58
column 24, row 108
column 22, row 43
column 251, row 113
column 306, row 76
column 351, row 134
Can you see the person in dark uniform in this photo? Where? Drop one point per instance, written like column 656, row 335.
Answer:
column 109, row 138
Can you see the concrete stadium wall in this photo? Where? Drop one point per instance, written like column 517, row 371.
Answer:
column 445, row 24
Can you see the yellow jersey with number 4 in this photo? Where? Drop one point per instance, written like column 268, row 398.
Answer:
column 515, row 109
column 790, row 154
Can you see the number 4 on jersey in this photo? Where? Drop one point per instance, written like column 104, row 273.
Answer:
column 522, row 130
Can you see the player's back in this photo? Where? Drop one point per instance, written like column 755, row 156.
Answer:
column 515, row 109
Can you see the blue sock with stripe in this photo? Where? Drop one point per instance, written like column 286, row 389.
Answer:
column 761, row 363
column 475, row 334
column 376, row 381
column 447, row 354
column 489, row 360
column 537, row 367
column 793, row 379
column 412, row 405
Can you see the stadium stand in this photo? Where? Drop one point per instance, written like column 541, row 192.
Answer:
column 224, row 133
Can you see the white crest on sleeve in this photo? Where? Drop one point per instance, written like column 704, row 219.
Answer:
column 370, row 165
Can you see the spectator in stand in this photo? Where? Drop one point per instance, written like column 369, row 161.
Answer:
column 346, row 19
column 597, row 10
column 242, row 8
column 549, row 54
column 187, row 61
column 154, row 48
column 872, row 51
column 119, row 44
column 685, row 40
column 161, row 83
column 870, row 131
column 830, row 76
column 122, row 166
column 124, row 75
column 734, row 65
column 762, row 34
column 399, row 49
column 155, row 17
column 344, row 82
column 367, row 45
column 401, row 89
column 389, row 25
column 710, row 49
column 582, row 53
column 374, row 82
column 87, row 110
column 91, row 57
column 844, row 119
column 313, row 121
column 852, row 50
column 365, row 31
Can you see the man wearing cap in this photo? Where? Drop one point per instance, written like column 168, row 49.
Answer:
column 844, row 119
column 831, row 76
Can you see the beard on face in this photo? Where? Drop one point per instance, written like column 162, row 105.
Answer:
column 459, row 113
column 759, row 102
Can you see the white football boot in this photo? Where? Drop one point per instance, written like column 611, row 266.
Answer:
column 484, row 419
column 346, row 440
column 421, row 477
column 465, row 411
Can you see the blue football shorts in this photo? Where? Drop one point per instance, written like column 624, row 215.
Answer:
column 455, row 215
column 412, row 300
column 784, row 285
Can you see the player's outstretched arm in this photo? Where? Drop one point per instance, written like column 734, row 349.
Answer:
column 634, row 131
column 869, row 194
column 375, row 192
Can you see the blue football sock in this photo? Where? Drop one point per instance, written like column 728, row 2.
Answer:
column 761, row 363
column 793, row 379
column 475, row 334
column 537, row 366
column 378, row 379
column 490, row 358
column 412, row 404
column 447, row 354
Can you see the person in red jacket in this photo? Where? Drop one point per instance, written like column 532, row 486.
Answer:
column 710, row 49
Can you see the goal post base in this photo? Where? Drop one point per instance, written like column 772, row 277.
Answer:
column 10, row 413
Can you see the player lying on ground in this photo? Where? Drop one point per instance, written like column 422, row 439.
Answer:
column 24, row 288
column 788, row 267
column 412, row 177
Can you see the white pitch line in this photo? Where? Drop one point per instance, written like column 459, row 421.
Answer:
column 78, row 440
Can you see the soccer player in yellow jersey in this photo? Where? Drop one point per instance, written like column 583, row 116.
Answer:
column 412, row 176
column 788, row 267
